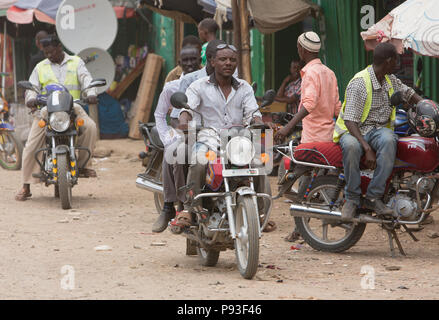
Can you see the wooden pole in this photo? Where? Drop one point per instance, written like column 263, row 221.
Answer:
column 179, row 35
column 245, row 42
column 237, row 33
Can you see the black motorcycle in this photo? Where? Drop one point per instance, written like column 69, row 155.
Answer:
column 59, row 157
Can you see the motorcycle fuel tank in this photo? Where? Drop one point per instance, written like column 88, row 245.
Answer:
column 417, row 153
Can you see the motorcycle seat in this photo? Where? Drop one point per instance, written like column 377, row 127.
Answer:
column 155, row 138
column 324, row 153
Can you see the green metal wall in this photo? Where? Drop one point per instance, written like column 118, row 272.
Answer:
column 344, row 50
column 429, row 82
column 258, row 60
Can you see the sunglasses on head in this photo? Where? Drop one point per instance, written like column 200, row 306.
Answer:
column 225, row 45
column 49, row 42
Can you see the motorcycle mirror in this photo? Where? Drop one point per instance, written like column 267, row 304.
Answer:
column 179, row 100
column 268, row 98
column 97, row 83
column 396, row 99
column 27, row 85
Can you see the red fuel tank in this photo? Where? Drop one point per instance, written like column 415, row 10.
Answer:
column 417, row 153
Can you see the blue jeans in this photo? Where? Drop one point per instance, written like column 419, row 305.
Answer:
column 384, row 142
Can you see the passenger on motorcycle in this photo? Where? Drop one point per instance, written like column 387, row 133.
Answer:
column 174, row 178
column 172, row 174
column 223, row 101
column 70, row 71
column 365, row 128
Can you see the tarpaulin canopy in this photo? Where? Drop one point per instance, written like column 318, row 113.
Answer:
column 414, row 25
column 23, row 11
column 270, row 17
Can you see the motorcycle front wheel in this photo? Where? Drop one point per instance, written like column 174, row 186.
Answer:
column 247, row 239
column 327, row 234
column 11, row 150
column 64, row 186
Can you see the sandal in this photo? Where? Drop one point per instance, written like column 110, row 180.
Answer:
column 271, row 226
column 182, row 220
column 22, row 195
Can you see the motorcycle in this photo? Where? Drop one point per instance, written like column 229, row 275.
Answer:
column 59, row 165
column 152, row 159
column 410, row 191
column 228, row 217
column 286, row 179
column 11, row 148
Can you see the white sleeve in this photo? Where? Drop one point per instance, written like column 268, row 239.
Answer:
column 85, row 78
column 160, row 116
column 30, row 95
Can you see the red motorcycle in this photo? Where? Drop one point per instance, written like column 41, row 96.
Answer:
column 410, row 191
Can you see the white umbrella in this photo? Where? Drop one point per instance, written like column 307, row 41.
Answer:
column 413, row 24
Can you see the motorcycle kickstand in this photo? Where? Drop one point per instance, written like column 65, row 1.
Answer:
column 393, row 236
column 410, row 233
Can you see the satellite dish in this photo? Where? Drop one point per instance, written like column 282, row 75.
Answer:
column 100, row 64
column 82, row 24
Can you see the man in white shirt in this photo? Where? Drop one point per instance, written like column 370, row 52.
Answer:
column 172, row 174
column 61, row 68
column 223, row 101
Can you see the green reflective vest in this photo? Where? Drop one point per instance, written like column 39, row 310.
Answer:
column 340, row 127
column 46, row 76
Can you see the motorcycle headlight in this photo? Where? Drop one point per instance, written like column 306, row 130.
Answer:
column 59, row 121
column 240, row 151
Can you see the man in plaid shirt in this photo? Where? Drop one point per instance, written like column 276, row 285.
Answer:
column 365, row 127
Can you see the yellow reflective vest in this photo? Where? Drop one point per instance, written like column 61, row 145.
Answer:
column 340, row 127
column 46, row 76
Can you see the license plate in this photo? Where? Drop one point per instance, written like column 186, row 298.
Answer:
column 242, row 172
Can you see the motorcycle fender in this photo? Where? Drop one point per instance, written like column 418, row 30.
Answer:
column 6, row 126
column 62, row 149
column 242, row 191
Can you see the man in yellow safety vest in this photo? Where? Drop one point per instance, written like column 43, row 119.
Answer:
column 70, row 71
column 365, row 127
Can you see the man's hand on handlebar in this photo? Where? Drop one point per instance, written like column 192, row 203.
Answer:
column 92, row 100
column 32, row 105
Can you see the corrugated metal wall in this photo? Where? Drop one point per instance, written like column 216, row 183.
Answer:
column 429, row 77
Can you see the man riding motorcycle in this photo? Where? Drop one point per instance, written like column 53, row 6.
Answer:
column 70, row 71
column 223, row 101
column 365, row 127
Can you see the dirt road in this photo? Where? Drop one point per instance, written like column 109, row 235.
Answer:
column 50, row 253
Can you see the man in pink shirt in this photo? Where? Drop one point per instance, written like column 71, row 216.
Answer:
column 320, row 100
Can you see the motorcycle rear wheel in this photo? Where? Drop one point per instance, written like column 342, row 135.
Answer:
column 64, row 186
column 10, row 158
column 316, row 232
column 247, row 240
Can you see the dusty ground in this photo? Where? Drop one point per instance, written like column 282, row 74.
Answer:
column 43, row 246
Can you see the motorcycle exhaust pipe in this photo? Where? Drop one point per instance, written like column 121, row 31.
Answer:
column 148, row 185
column 309, row 212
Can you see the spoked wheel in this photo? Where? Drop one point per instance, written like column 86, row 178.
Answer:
column 247, row 239
column 328, row 235
column 11, row 150
column 209, row 258
column 64, row 185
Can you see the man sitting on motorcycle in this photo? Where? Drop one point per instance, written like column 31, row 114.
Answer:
column 365, row 128
column 70, row 71
column 172, row 174
column 223, row 101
